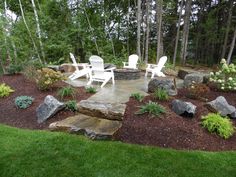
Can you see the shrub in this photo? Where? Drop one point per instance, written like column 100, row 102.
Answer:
column 152, row 108
column 30, row 69
column 66, row 91
column 197, row 91
column 23, row 102
column 71, row 105
column 225, row 78
column 137, row 96
column 46, row 78
column 91, row 90
column 161, row 94
column 5, row 90
column 14, row 69
column 215, row 123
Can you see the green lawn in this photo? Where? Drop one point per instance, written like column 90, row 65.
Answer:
column 26, row 153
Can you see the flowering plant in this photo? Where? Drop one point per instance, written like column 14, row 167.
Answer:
column 225, row 78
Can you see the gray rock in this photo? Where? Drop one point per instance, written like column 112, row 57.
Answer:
column 48, row 108
column 93, row 127
column 183, row 108
column 194, row 77
column 110, row 111
column 221, row 105
column 166, row 83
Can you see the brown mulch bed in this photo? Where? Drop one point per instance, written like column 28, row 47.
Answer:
column 26, row 118
column 170, row 130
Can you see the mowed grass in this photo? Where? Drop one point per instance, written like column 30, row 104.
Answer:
column 26, row 153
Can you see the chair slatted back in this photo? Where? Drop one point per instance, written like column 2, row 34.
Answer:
column 97, row 64
column 74, row 61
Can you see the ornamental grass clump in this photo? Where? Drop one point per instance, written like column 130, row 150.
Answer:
column 23, row 102
column 161, row 94
column 5, row 90
column 46, row 78
column 71, row 105
column 222, row 126
column 137, row 96
column 66, row 92
column 90, row 90
column 225, row 78
column 152, row 108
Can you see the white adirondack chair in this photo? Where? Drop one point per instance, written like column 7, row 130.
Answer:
column 156, row 69
column 132, row 62
column 79, row 73
column 98, row 73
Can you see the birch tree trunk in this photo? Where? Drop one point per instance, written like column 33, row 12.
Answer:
column 227, row 29
column 31, row 37
column 6, row 30
column 159, row 31
column 138, row 27
column 177, row 35
column 128, row 16
column 147, row 30
column 231, row 47
column 186, row 31
column 91, row 29
column 38, row 30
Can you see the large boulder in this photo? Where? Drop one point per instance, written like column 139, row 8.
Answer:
column 221, row 106
column 92, row 127
column 110, row 111
column 48, row 108
column 182, row 108
column 166, row 83
column 193, row 77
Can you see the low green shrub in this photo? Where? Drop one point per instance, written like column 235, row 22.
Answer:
column 71, row 105
column 5, row 90
column 137, row 96
column 66, row 91
column 152, row 108
column 220, row 125
column 23, row 102
column 91, row 90
column 46, row 78
column 161, row 94
column 14, row 68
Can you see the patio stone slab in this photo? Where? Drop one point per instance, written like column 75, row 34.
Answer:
column 110, row 111
column 92, row 127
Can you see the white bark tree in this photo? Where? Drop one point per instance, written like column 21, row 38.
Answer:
column 27, row 27
column 186, row 31
column 38, row 29
column 147, row 30
column 159, row 29
column 231, row 47
column 138, row 27
column 177, row 34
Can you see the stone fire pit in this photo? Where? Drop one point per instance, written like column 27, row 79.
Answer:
column 127, row 74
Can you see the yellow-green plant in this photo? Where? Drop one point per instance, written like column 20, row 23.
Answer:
column 225, row 78
column 5, row 90
column 215, row 123
column 46, row 78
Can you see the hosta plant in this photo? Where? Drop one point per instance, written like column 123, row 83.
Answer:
column 215, row 123
column 23, row 102
column 46, row 78
column 137, row 96
column 225, row 78
column 152, row 108
column 5, row 90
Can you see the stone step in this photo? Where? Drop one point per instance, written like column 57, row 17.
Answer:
column 110, row 111
column 92, row 127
